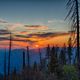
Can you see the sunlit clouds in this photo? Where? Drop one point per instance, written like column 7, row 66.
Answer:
column 36, row 41
column 33, row 24
column 36, row 27
column 34, row 36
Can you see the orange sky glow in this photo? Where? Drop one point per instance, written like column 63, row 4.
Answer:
column 37, row 41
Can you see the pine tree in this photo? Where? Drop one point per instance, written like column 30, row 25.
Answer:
column 48, row 51
column 57, row 52
column 35, row 67
column 53, row 64
column 40, row 57
column 62, row 57
column 69, row 50
column 28, row 57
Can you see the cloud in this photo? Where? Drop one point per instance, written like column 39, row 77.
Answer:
column 58, row 25
column 36, row 27
column 22, row 36
column 47, row 34
column 3, row 21
column 3, row 38
column 21, row 27
column 9, row 25
column 2, row 32
column 37, row 39
column 41, row 35
column 55, row 21
column 14, row 26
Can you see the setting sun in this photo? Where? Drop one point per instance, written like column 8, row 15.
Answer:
column 37, row 46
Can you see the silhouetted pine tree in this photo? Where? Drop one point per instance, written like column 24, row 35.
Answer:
column 5, row 66
column 44, row 68
column 28, row 57
column 35, row 67
column 57, row 51
column 40, row 57
column 62, row 57
column 54, row 66
column 69, row 50
column 48, row 51
column 23, row 60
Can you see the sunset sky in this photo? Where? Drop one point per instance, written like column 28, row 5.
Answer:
column 35, row 23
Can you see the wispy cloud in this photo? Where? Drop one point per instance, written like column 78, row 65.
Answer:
column 55, row 21
column 19, row 27
column 2, row 32
column 37, row 39
column 14, row 26
column 36, row 27
column 3, row 21
column 58, row 25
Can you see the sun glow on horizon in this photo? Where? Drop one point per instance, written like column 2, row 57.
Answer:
column 37, row 42
column 37, row 46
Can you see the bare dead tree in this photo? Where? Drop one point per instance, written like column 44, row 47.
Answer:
column 9, row 56
column 40, row 56
column 5, row 65
column 73, row 13
column 23, row 60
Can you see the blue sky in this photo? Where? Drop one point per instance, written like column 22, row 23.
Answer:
column 50, row 13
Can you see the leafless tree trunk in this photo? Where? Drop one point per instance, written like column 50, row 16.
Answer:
column 9, row 56
column 74, row 17
column 40, row 56
column 78, row 54
column 23, row 60
column 5, row 65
